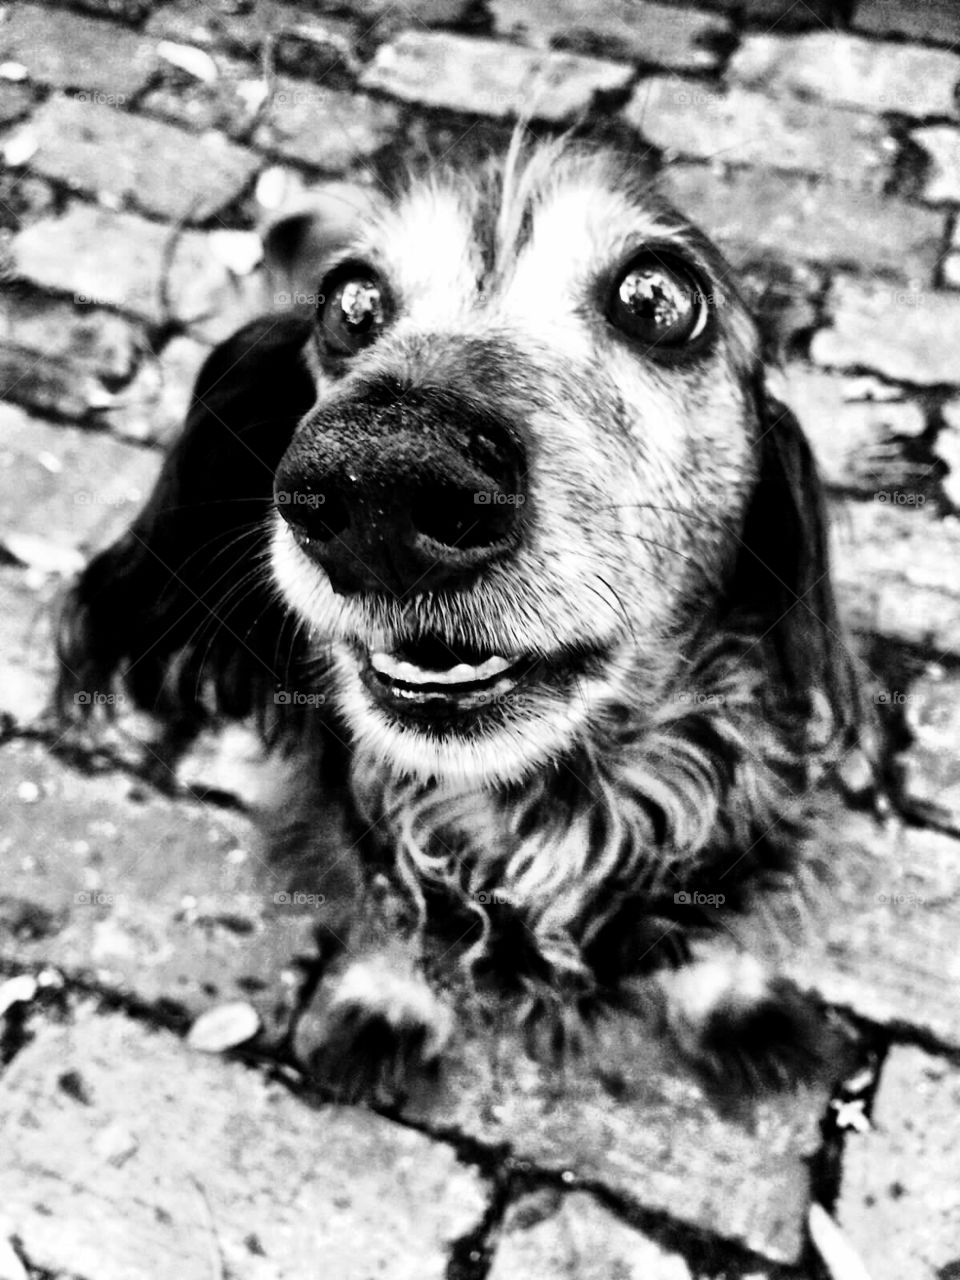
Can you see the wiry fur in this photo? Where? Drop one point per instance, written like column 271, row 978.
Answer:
column 673, row 544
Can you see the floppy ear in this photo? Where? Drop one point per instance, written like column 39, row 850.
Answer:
column 181, row 608
column 782, row 583
column 299, row 238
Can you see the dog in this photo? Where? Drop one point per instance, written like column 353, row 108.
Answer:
column 508, row 546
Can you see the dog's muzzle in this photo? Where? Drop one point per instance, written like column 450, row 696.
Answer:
column 397, row 491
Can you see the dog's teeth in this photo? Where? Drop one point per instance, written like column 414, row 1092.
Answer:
column 386, row 664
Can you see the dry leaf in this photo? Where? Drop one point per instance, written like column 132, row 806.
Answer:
column 188, row 58
column 224, row 1027
column 18, row 990
column 835, row 1250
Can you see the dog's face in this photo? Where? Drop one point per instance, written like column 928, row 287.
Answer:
column 522, row 486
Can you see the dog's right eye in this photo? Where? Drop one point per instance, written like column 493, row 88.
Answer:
column 354, row 310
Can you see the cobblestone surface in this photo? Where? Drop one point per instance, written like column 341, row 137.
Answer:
column 818, row 142
column 139, row 1152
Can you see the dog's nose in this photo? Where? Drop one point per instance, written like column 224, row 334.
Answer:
column 411, row 496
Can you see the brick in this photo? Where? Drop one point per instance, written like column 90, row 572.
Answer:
column 894, row 562
column 490, row 78
column 850, row 71
column 26, row 643
column 900, row 1195
column 70, row 51
column 745, row 127
column 153, row 407
column 323, row 128
column 133, row 160
column 67, row 254
column 163, row 899
column 853, row 430
column 62, row 358
column 172, row 1155
column 229, row 103
column 69, row 487
column 885, row 918
column 942, row 146
column 792, row 217
column 15, row 100
column 930, row 767
column 905, row 334
column 681, row 39
column 661, row 1144
column 554, row 1238
column 936, row 20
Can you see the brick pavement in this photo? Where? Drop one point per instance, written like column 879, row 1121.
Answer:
column 820, row 143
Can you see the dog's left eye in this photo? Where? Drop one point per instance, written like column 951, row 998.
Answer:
column 353, row 312
column 658, row 302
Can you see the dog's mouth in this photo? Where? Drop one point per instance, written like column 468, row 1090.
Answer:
column 433, row 679
column 436, row 682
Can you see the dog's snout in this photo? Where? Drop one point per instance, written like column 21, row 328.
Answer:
column 416, row 495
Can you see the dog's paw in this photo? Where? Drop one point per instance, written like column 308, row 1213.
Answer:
column 744, row 1029
column 375, row 1030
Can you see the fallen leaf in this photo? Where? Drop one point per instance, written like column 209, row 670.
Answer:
column 224, row 1027
column 18, row 990
column 837, row 1253
column 188, row 58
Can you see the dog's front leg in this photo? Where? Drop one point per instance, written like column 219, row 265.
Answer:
column 374, row 1026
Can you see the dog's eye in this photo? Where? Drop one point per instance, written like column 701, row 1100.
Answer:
column 658, row 302
column 353, row 312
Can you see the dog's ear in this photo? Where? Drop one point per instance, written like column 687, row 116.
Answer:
column 782, row 583
column 181, row 608
column 300, row 236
